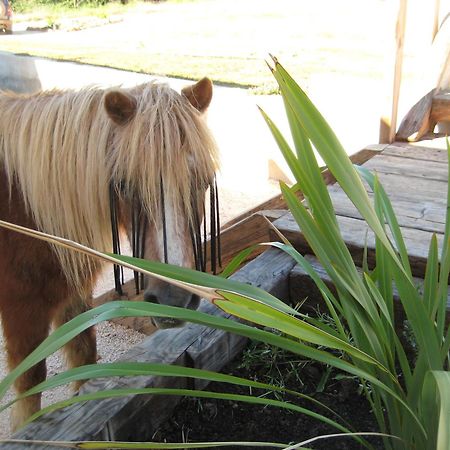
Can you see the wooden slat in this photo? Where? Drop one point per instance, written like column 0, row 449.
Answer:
column 400, row 43
column 421, row 215
column 428, row 170
column 356, row 234
column 403, row 187
column 418, row 153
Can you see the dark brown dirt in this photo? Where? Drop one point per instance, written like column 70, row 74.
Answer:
column 217, row 420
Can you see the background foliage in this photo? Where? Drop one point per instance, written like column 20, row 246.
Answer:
column 24, row 5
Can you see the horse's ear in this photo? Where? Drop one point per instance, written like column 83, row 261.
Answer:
column 199, row 94
column 120, row 107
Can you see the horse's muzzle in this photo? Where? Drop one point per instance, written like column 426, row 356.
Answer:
column 189, row 301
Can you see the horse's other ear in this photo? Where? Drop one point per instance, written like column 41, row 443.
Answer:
column 120, row 107
column 199, row 94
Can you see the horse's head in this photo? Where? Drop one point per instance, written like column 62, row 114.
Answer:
column 165, row 162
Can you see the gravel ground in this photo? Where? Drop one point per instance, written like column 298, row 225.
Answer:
column 112, row 342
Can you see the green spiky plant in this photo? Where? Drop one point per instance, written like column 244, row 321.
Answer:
column 413, row 414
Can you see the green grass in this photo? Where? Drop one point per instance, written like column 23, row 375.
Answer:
column 38, row 10
column 191, row 39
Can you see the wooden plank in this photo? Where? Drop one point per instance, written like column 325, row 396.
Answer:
column 303, row 287
column 356, row 235
column 432, row 108
column 429, row 170
column 416, row 152
column 137, row 417
column 420, row 215
column 435, row 28
column 409, row 188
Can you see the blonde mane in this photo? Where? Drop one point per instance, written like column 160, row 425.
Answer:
column 62, row 151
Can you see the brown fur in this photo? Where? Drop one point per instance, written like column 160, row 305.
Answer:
column 58, row 153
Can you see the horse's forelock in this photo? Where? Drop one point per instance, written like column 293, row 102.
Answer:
column 64, row 151
column 167, row 139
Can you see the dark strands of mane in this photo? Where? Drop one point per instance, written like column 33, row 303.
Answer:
column 139, row 227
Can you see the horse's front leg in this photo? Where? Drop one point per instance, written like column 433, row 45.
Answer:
column 25, row 325
column 82, row 349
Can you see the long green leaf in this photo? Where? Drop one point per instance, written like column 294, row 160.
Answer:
column 330, row 149
column 200, row 283
column 108, row 445
column 128, row 369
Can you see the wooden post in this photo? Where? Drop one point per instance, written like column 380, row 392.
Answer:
column 437, row 7
column 388, row 120
column 400, row 38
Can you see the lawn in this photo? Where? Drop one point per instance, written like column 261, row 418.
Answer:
column 228, row 41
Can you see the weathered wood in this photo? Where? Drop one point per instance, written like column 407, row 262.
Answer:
column 303, row 287
column 429, row 170
column 357, row 234
column 249, row 231
column 403, row 187
column 410, row 213
column 416, row 186
column 137, row 417
column 418, row 153
column 417, row 121
column 400, row 43
column 440, row 111
column 435, row 27
column 431, row 109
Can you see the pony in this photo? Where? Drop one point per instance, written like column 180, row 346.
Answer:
column 89, row 165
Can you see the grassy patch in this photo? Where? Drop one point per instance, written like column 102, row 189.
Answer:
column 190, row 39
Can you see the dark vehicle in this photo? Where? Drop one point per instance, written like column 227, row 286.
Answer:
column 5, row 17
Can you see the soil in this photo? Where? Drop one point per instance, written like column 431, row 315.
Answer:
column 200, row 420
